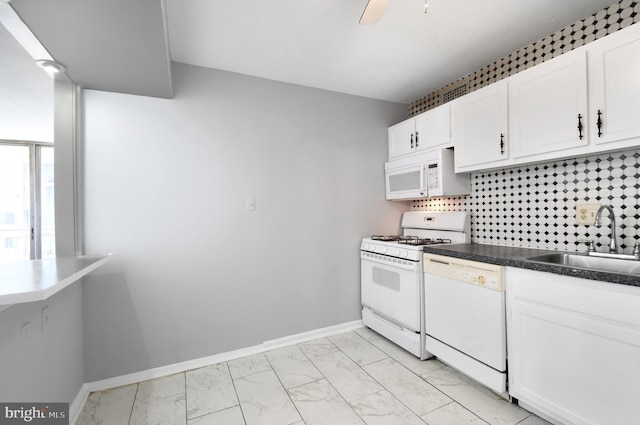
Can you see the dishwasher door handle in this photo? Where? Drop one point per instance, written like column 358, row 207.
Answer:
column 432, row 260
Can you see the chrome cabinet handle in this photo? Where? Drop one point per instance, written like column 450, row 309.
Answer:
column 411, row 140
column 501, row 144
column 417, row 139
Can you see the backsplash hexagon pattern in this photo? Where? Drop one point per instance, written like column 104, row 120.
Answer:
column 606, row 21
column 535, row 205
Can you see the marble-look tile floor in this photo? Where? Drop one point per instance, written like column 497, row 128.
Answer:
column 352, row 378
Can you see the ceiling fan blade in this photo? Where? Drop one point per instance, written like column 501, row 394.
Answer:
column 373, row 11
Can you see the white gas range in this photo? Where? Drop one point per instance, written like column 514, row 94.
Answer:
column 392, row 289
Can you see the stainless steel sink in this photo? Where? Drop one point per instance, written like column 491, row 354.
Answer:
column 583, row 261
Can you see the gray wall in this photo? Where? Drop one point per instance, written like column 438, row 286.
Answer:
column 44, row 367
column 195, row 274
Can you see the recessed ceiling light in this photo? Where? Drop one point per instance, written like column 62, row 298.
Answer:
column 50, row 67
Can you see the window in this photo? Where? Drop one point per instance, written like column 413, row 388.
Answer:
column 27, row 221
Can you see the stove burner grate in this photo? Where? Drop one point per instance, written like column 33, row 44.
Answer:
column 391, row 238
column 428, row 241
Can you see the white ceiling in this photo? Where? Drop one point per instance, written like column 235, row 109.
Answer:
column 125, row 46
column 319, row 43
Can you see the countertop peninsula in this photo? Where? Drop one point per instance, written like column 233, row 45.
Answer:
column 37, row 280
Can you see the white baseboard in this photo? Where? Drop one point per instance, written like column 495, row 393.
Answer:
column 81, row 398
column 75, row 408
column 310, row 335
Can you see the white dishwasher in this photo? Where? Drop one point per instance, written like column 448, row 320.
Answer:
column 465, row 317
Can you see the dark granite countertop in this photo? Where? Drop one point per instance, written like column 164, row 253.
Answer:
column 517, row 257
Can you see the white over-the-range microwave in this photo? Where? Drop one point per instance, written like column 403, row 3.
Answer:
column 423, row 175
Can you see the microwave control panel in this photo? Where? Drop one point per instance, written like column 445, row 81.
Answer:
column 433, row 177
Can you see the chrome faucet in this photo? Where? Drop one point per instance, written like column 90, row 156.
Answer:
column 613, row 244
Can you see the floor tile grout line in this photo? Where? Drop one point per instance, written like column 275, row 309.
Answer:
column 133, row 405
column 522, row 421
column 186, row 410
column 253, row 373
column 454, row 401
column 389, row 356
column 387, row 389
column 329, row 382
column 368, row 342
column 384, row 388
column 395, row 397
column 286, row 390
column 235, row 390
column 460, row 402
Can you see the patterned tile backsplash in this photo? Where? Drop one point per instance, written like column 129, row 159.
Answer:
column 619, row 15
column 534, row 205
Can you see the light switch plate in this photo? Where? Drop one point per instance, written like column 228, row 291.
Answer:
column 586, row 213
column 250, row 203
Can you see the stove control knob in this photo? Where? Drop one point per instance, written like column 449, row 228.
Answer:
column 395, row 252
column 365, row 246
column 404, row 254
column 382, row 249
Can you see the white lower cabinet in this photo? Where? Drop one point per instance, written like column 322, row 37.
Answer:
column 574, row 348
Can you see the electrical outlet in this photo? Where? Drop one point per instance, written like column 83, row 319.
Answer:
column 586, row 213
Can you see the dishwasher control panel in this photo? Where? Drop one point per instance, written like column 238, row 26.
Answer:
column 490, row 276
column 478, row 277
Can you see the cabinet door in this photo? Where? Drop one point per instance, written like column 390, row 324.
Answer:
column 614, row 73
column 433, row 128
column 402, row 138
column 548, row 106
column 479, row 128
column 570, row 357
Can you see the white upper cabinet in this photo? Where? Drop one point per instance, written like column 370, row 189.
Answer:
column 614, row 76
column 425, row 131
column 480, row 129
column 548, row 107
column 580, row 103
column 433, row 128
column 402, row 139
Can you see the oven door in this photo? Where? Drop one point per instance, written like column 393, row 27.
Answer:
column 391, row 288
